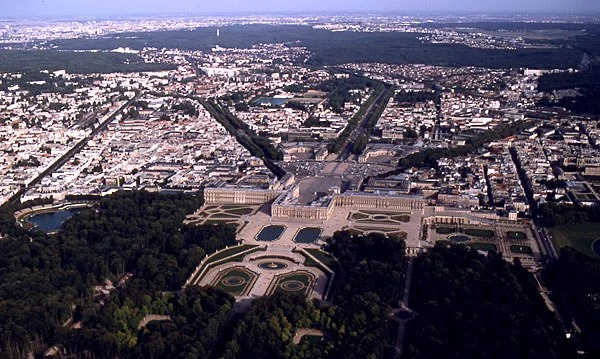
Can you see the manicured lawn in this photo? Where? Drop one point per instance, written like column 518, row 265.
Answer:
column 485, row 233
column 224, row 215
column 359, row 216
column 300, row 277
column 240, row 211
column 324, row 257
column 521, row 249
column 371, row 229
column 377, row 221
column 221, row 221
column 579, row 236
column 516, row 235
column 231, row 251
column 483, row 246
column 302, row 282
column 235, row 289
column 402, row 218
column 444, row 230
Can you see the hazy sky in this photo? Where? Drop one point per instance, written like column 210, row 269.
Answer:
column 29, row 8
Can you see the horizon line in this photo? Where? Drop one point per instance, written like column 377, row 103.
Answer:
column 184, row 14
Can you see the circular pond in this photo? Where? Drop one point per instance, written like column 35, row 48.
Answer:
column 271, row 265
column 458, row 238
column 596, row 247
column 233, row 281
column 292, row 285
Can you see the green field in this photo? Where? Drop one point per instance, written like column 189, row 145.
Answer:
column 579, row 236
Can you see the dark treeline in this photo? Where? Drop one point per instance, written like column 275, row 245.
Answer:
column 45, row 279
column 575, row 283
column 75, row 62
column 257, row 146
column 337, row 144
column 356, row 323
column 413, row 97
column 472, row 306
column 517, row 26
column 186, row 107
column 362, row 140
column 587, row 82
column 560, row 214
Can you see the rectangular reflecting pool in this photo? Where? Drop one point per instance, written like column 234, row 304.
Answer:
column 270, row 233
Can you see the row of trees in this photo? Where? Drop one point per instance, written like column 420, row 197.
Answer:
column 32, row 61
column 336, row 144
column 360, row 143
column 413, row 97
column 256, row 145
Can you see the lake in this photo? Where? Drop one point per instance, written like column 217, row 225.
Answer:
column 596, row 247
column 271, row 101
column 51, row 221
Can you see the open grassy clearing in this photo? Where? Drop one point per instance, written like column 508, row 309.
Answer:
column 578, row 236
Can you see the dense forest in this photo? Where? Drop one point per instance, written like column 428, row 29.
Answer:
column 338, row 90
column 587, row 82
column 356, row 323
column 575, row 283
column 45, row 280
column 474, row 306
column 332, row 48
column 75, row 62
column 188, row 326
